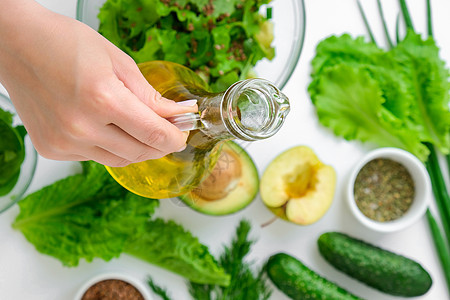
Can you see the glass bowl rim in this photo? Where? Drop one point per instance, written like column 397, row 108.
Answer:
column 295, row 52
column 33, row 161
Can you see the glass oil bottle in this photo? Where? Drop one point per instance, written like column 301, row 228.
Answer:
column 249, row 110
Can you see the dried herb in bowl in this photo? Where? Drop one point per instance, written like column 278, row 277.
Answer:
column 384, row 190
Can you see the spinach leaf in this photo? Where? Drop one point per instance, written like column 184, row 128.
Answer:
column 12, row 152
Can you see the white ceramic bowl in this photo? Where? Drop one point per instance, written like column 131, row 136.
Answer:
column 422, row 189
column 139, row 285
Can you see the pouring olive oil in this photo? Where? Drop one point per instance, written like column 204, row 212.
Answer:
column 249, row 110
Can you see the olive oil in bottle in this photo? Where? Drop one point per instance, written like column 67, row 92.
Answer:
column 250, row 110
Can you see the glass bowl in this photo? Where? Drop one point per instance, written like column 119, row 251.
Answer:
column 27, row 168
column 288, row 17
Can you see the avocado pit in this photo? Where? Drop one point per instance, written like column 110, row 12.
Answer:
column 231, row 186
column 223, row 178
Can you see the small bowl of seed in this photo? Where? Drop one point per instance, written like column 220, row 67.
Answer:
column 113, row 286
column 388, row 190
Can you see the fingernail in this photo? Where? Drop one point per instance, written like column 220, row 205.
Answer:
column 182, row 148
column 187, row 102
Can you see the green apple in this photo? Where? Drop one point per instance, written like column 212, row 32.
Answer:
column 297, row 186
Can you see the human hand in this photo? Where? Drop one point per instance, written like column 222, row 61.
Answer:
column 79, row 96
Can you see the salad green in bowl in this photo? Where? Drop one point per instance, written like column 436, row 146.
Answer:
column 18, row 157
column 222, row 41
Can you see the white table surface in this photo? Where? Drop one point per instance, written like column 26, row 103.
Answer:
column 27, row 274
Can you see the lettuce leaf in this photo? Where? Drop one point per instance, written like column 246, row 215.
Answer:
column 350, row 102
column 83, row 216
column 397, row 98
column 89, row 215
column 217, row 39
column 428, row 81
column 168, row 245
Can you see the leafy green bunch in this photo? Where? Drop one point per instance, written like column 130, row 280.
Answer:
column 245, row 284
column 220, row 40
column 397, row 97
column 12, row 151
column 89, row 215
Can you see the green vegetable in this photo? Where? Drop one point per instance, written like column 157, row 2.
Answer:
column 158, row 290
column 217, row 39
column 83, row 216
column 244, row 284
column 381, row 269
column 440, row 192
column 440, row 245
column 387, row 98
column 12, row 152
column 402, row 94
column 89, row 215
column 168, row 245
column 297, row 281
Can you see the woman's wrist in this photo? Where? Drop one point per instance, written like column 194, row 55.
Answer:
column 24, row 31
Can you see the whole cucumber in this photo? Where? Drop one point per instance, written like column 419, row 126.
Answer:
column 298, row 282
column 381, row 269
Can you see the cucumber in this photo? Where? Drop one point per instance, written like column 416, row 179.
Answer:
column 297, row 281
column 381, row 269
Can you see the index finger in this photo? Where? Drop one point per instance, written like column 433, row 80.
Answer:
column 140, row 121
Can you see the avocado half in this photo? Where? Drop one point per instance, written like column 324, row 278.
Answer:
column 231, row 186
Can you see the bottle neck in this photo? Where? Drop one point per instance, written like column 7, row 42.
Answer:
column 250, row 110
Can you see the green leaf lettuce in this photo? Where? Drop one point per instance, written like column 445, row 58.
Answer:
column 395, row 98
column 89, row 215
column 213, row 38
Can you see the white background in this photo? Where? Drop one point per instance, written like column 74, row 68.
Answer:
column 27, row 274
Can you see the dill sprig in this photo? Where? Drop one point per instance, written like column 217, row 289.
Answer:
column 158, row 290
column 245, row 284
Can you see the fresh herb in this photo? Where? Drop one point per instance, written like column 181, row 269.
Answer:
column 397, row 98
column 384, row 190
column 12, row 151
column 158, row 290
column 216, row 39
column 244, row 284
column 89, row 215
